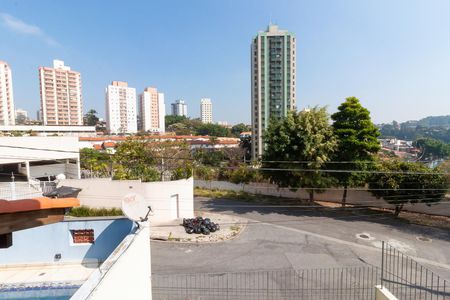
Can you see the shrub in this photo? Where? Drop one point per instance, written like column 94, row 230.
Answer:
column 84, row 211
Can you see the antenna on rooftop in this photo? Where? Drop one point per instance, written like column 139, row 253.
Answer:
column 135, row 207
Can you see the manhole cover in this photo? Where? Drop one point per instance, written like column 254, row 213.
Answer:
column 423, row 239
column 364, row 236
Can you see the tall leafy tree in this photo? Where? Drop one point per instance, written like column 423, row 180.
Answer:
column 237, row 129
column 307, row 137
column 90, row 118
column 401, row 183
column 96, row 162
column 133, row 160
column 170, row 119
column 357, row 144
column 432, row 149
column 152, row 161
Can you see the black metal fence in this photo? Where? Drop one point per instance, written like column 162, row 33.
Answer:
column 407, row 279
column 338, row 283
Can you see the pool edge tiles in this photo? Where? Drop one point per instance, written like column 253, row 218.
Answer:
column 43, row 290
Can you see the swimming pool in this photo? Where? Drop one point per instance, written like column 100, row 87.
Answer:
column 44, row 291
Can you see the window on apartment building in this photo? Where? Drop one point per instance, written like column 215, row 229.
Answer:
column 82, row 236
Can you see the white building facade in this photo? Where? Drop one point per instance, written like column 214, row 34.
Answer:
column 7, row 116
column 206, row 110
column 61, row 100
column 179, row 108
column 121, row 111
column 152, row 110
column 21, row 115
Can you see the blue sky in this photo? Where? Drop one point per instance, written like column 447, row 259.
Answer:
column 393, row 55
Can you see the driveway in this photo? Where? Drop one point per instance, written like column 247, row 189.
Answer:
column 303, row 238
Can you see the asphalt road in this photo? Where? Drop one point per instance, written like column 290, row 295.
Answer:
column 303, row 238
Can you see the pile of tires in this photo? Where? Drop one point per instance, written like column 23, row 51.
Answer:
column 200, row 226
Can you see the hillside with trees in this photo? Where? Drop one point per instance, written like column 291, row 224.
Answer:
column 430, row 127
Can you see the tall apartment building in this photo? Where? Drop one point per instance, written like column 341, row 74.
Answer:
column 7, row 115
column 152, row 110
column 273, row 80
column 120, row 109
column 206, row 110
column 61, row 101
column 179, row 108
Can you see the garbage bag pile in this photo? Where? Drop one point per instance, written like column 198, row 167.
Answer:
column 200, row 226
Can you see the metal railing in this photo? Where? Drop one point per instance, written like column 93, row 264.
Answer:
column 312, row 284
column 42, row 186
column 407, row 279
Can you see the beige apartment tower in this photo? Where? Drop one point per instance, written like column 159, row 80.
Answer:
column 206, row 110
column 152, row 111
column 61, row 101
column 7, row 113
column 273, row 90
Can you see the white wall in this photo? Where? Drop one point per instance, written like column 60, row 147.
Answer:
column 126, row 274
column 47, row 170
column 356, row 197
column 108, row 193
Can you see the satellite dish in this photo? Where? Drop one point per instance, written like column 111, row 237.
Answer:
column 61, row 176
column 135, row 207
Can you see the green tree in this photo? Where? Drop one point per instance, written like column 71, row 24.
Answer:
column 238, row 128
column 307, row 137
column 212, row 130
column 432, row 149
column 400, row 183
column 90, row 118
column 174, row 119
column 208, row 157
column 357, row 144
column 179, row 129
column 173, row 159
column 133, row 160
column 96, row 162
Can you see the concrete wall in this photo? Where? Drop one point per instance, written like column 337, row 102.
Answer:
column 40, row 244
column 354, row 197
column 168, row 199
column 126, row 274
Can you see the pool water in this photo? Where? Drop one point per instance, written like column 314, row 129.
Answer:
column 44, row 292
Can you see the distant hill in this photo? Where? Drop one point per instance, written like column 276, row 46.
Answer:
column 437, row 127
column 437, row 121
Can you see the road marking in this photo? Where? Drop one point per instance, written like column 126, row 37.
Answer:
column 352, row 244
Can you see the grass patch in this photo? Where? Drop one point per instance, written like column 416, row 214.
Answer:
column 247, row 197
column 201, row 192
column 84, row 211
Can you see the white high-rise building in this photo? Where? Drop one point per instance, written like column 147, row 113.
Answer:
column 61, row 101
column 21, row 116
column 179, row 108
column 206, row 110
column 152, row 110
column 7, row 115
column 120, row 109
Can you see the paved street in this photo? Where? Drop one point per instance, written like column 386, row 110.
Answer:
column 303, row 238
